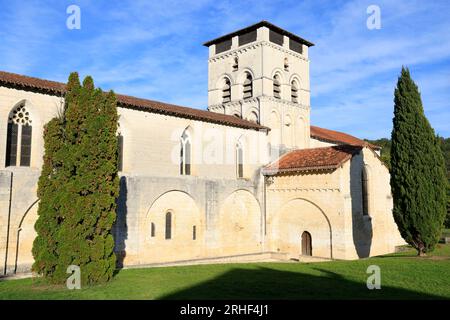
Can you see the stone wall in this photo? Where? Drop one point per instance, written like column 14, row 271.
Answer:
column 226, row 213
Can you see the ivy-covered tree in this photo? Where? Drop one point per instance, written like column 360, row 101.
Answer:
column 418, row 179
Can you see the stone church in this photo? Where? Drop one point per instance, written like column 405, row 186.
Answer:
column 249, row 179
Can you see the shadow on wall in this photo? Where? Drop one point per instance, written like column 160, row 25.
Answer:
column 267, row 283
column 120, row 229
column 361, row 225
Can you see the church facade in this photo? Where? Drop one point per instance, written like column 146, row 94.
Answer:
column 247, row 179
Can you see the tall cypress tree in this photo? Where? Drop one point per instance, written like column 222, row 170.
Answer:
column 417, row 170
column 93, row 186
column 83, row 197
column 51, row 185
column 44, row 245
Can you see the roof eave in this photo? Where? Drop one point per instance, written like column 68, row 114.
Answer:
column 262, row 23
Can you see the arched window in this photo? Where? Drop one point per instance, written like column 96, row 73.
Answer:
column 18, row 138
column 185, row 154
column 226, row 91
column 253, row 117
column 294, row 91
column 248, row 86
column 239, row 160
column 276, row 87
column 365, row 191
column 168, row 225
column 152, row 229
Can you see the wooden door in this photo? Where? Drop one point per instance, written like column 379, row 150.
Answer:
column 306, row 244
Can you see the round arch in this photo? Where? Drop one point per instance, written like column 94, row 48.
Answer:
column 280, row 73
column 242, row 75
column 297, row 215
column 25, row 237
column 221, row 80
column 295, row 77
column 187, row 227
column 239, row 227
column 253, row 115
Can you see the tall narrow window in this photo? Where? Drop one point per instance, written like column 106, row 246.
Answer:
column 169, row 225
column 11, row 144
column 185, row 154
column 239, row 161
column 152, row 229
column 120, row 152
column 248, row 86
column 18, row 139
column 276, row 87
column 294, row 92
column 365, row 192
column 194, row 232
column 226, row 91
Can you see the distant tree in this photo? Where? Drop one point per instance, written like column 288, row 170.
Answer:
column 418, row 179
column 385, row 145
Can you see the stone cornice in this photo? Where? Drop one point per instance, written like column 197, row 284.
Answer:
column 255, row 100
column 303, row 189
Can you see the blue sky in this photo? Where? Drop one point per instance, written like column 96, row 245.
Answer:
column 153, row 49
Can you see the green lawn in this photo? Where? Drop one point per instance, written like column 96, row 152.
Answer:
column 403, row 276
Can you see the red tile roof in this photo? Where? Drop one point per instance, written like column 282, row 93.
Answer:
column 58, row 88
column 338, row 137
column 326, row 158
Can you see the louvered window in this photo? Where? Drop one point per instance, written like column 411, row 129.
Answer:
column 276, row 87
column 276, row 37
column 247, row 37
column 223, row 46
column 295, row 46
column 294, row 92
column 248, row 86
column 226, row 91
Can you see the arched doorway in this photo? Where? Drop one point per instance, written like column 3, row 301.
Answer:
column 306, row 244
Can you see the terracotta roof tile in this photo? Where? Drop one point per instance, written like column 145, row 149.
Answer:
column 58, row 88
column 338, row 137
column 326, row 158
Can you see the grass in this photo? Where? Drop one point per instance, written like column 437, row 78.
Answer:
column 403, row 276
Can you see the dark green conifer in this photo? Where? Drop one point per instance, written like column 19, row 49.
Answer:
column 418, row 179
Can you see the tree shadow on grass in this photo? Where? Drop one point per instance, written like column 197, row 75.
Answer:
column 265, row 283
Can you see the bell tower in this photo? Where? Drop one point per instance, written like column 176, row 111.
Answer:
column 261, row 73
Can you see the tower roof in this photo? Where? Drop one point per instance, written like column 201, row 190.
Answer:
column 255, row 26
